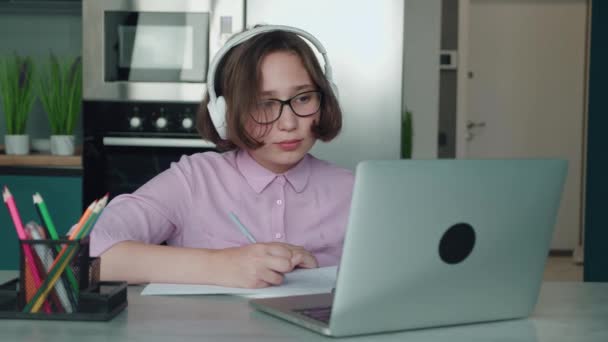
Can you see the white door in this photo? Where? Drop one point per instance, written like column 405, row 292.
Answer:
column 524, row 84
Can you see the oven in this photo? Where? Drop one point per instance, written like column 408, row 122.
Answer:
column 153, row 50
column 127, row 143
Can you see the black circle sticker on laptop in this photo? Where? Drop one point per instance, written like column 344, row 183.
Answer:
column 457, row 243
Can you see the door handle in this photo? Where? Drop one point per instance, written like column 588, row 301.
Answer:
column 472, row 124
column 156, row 142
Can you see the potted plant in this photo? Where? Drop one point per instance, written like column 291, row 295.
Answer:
column 17, row 99
column 60, row 91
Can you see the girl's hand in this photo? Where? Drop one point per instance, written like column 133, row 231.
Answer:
column 259, row 265
column 300, row 257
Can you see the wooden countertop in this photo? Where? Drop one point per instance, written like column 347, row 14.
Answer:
column 37, row 159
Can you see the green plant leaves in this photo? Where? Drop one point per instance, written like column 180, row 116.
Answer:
column 16, row 88
column 58, row 85
column 60, row 90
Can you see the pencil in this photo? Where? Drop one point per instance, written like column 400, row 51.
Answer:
column 83, row 220
column 63, row 259
column 29, row 255
column 45, row 216
column 45, row 230
column 46, row 257
column 53, row 298
column 93, row 218
column 65, row 256
column 52, row 232
column 242, row 227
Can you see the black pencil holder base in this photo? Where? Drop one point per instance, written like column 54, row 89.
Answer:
column 58, row 280
column 99, row 303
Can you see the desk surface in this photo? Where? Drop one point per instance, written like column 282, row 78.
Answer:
column 565, row 312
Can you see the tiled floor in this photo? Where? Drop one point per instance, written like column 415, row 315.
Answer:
column 563, row 268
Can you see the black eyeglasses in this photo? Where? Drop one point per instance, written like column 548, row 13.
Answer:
column 303, row 105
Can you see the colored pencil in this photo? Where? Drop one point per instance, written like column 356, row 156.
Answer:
column 29, row 255
column 61, row 262
column 66, row 254
column 93, row 218
column 53, row 298
column 52, row 232
column 83, row 219
column 45, row 216
column 46, row 256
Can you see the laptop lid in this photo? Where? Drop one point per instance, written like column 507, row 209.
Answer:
column 445, row 242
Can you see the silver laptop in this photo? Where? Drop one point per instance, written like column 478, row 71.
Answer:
column 437, row 242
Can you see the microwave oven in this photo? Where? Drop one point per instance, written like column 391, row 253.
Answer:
column 153, row 50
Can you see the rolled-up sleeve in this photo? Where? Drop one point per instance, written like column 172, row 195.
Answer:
column 152, row 214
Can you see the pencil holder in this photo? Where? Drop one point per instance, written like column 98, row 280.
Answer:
column 53, row 273
column 59, row 281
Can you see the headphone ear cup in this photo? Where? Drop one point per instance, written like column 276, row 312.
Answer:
column 217, row 112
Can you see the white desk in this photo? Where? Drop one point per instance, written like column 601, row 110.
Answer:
column 573, row 312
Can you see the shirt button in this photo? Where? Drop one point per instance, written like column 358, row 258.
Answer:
column 279, row 202
column 278, row 235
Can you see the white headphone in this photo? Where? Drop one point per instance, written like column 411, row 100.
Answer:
column 217, row 105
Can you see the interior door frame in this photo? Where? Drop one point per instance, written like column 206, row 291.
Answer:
column 464, row 11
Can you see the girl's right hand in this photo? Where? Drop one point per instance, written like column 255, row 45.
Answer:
column 260, row 265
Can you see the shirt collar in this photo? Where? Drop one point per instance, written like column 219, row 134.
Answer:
column 259, row 177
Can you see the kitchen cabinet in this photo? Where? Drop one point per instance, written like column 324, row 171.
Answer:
column 41, row 6
column 62, row 194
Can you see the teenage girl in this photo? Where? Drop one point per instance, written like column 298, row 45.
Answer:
column 262, row 207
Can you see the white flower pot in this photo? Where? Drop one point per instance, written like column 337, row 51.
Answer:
column 17, row 144
column 62, row 145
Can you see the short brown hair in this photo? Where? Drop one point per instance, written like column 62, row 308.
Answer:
column 238, row 80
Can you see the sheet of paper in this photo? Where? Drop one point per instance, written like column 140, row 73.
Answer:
column 298, row 282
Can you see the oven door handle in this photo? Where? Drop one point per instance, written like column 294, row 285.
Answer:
column 157, row 142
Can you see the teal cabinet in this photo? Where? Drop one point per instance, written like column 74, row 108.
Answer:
column 62, row 195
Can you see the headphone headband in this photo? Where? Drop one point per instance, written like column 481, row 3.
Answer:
column 246, row 35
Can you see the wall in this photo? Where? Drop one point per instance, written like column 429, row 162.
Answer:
column 596, row 221
column 35, row 32
column 35, row 35
column 422, row 34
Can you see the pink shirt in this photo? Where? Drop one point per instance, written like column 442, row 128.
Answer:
column 188, row 205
